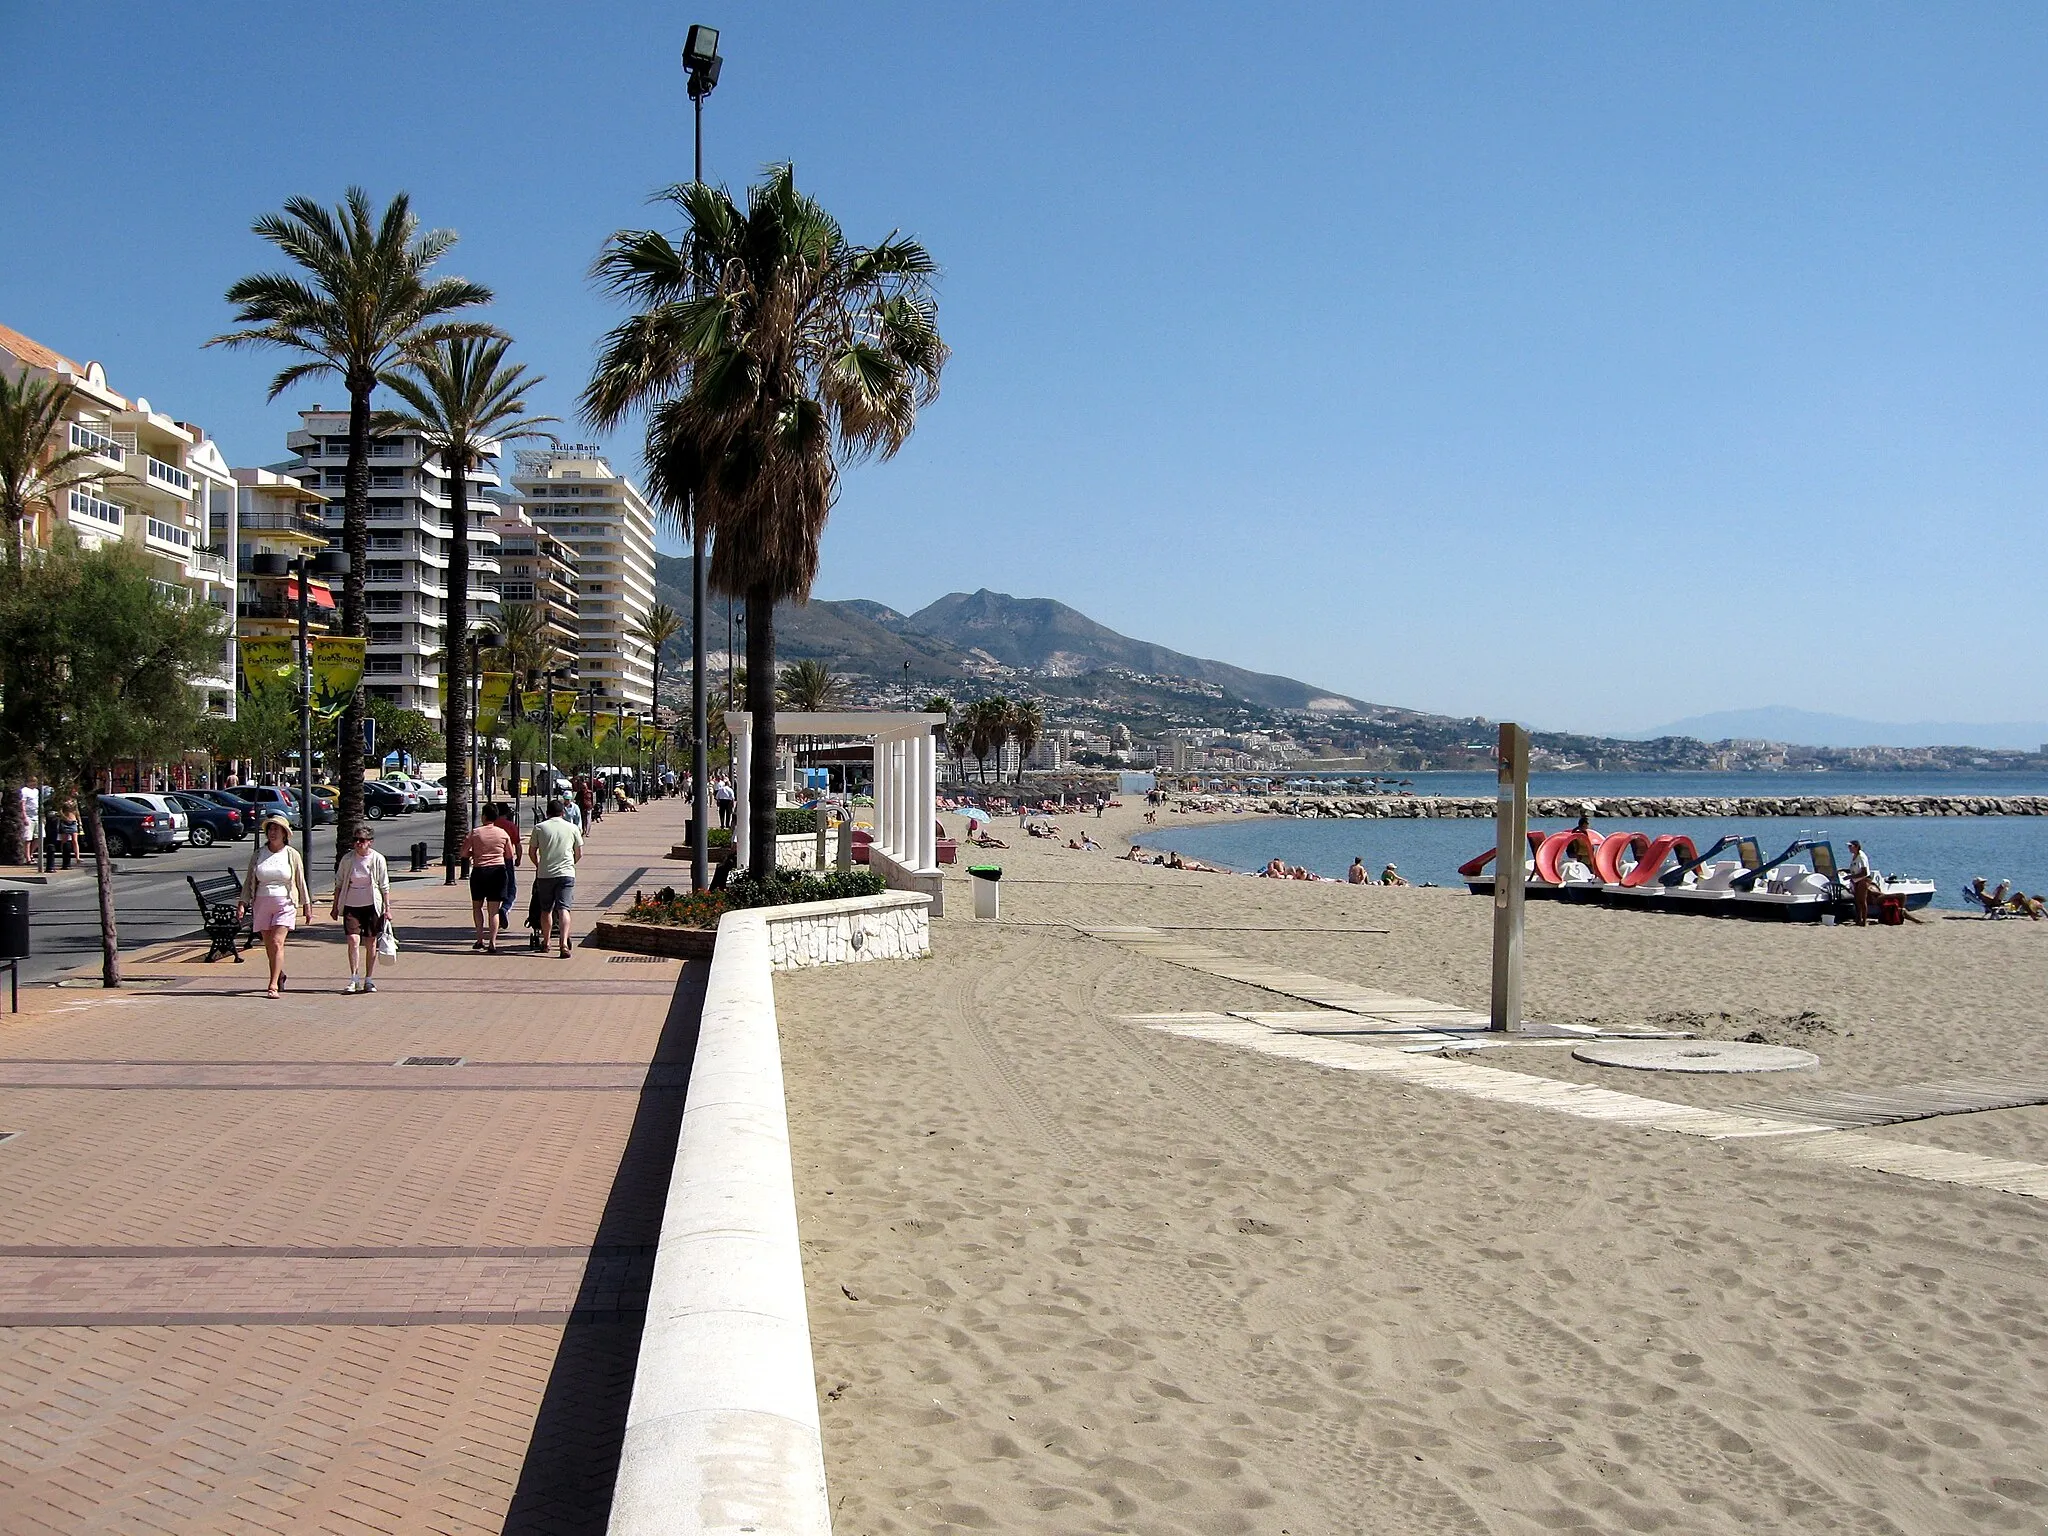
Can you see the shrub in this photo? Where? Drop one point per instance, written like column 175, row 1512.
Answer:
column 672, row 909
column 792, row 819
column 787, row 886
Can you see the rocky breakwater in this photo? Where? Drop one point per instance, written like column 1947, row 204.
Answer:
column 1644, row 807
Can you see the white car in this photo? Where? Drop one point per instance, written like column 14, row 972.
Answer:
column 432, row 797
column 181, row 821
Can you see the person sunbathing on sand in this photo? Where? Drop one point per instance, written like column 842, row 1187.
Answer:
column 1089, row 845
column 1391, row 876
column 1275, row 870
column 985, row 841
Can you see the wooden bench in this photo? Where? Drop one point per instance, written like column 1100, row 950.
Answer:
column 219, row 897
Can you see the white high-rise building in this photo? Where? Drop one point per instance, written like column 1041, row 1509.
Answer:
column 573, row 494
column 406, row 590
column 152, row 482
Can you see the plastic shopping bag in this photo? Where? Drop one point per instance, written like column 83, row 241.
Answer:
column 387, row 942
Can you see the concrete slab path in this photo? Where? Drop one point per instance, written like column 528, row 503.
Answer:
column 255, row 1275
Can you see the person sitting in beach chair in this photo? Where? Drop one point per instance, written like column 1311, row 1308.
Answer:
column 1993, row 902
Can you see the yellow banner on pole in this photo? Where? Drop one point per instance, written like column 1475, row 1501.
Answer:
column 269, row 661
column 337, row 672
column 497, row 688
column 565, row 708
column 533, row 705
column 601, row 727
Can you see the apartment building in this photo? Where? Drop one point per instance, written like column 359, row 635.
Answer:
column 150, row 481
column 275, row 515
column 406, row 575
column 539, row 571
column 573, row 494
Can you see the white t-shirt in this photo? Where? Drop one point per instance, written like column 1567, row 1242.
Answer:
column 274, row 873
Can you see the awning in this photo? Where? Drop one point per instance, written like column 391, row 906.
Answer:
column 322, row 597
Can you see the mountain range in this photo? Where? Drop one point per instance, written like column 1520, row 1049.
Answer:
column 965, row 635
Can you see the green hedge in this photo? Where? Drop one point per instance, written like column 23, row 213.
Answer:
column 792, row 819
column 787, row 886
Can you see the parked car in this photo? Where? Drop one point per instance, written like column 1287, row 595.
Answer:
column 226, row 799
column 164, row 805
column 211, row 822
column 424, row 796
column 433, row 793
column 133, row 829
column 381, row 800
column 269, row 800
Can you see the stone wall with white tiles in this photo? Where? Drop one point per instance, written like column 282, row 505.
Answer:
column 892, row 926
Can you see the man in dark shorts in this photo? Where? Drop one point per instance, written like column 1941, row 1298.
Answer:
column 554, row 847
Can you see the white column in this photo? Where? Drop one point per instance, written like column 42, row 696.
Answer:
column 900, row 801
column 881, row 749
column 928, row 801
column 913, row 799
column 742, row 775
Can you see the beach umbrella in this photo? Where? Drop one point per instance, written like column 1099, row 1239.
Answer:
column 974, row 813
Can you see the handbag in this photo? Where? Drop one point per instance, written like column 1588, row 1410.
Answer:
column 387, row 941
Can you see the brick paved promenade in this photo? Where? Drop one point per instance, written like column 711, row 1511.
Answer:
column 255, row 1275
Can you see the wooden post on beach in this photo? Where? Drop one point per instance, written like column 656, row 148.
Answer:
column 1511, row 847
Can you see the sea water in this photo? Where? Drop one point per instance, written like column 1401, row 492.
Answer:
column 1950, row 850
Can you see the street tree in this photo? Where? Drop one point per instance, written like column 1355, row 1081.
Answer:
column 463, row 400
column 768, row 350
column 100, row 670
column 362, row 302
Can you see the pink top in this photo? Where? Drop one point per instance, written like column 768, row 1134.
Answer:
column 487, row 846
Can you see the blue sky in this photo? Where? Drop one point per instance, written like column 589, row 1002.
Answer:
column 1593, row 364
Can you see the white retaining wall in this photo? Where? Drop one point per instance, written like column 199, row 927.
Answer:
column 722, row 1433
column 896, row 926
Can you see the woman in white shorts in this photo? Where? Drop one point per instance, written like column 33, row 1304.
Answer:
column 274, row 894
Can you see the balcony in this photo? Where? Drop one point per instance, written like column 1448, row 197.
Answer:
column 277, row 609
column 171, row 592
column 207, row 563
column 166, row 538
column 98, row 444
column 306, row 524
column 167, row 477
column 97, row 512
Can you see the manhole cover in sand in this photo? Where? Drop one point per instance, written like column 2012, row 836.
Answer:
column 1694, row 1056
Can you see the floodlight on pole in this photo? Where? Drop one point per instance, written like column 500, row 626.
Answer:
column 701, row 63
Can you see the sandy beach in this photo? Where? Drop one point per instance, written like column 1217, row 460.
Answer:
column 1068, row 1273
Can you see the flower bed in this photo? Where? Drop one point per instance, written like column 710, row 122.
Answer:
column 670, row 908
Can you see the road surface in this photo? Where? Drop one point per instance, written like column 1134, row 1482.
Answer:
column 152, row 902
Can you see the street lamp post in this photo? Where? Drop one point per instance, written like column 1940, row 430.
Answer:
column 329, row 563
column 702, row 64
column 548, row 679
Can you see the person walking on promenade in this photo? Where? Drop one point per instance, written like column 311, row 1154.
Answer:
column 67, row 830
column 505, row 817
column 1862, row 882
column 362, row 905
column 489, row 850
column 275, row 887
column 585, row 803
column 721, row 791
column 554, row 848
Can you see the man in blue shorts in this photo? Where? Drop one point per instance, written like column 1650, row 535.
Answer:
column 554, row 847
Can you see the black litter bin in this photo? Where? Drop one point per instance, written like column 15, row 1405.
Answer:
column 14, row 925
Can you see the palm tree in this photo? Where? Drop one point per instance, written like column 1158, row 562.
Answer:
column 809, row 685
column 960, row 744
column 362, row 304
column 988, row 727
column 1027, row 724
column 655, row 629
column 33, row 467
column 465, row 401
column 773, row 350
column 526, row 650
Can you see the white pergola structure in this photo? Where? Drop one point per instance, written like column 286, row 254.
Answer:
column 905, row 851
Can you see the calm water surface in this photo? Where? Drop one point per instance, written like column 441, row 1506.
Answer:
column 1947, row 849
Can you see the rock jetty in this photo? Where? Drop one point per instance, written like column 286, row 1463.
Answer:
column 1640, row 807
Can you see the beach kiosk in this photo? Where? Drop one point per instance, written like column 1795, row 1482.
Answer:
column 905, row 852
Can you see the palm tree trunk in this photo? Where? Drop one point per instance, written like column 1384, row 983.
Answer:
column 355, row 542
column 455, row 647
column 761, row 704
column 103, row 875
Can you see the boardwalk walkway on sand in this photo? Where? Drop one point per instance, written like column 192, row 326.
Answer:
column 257, row 1275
